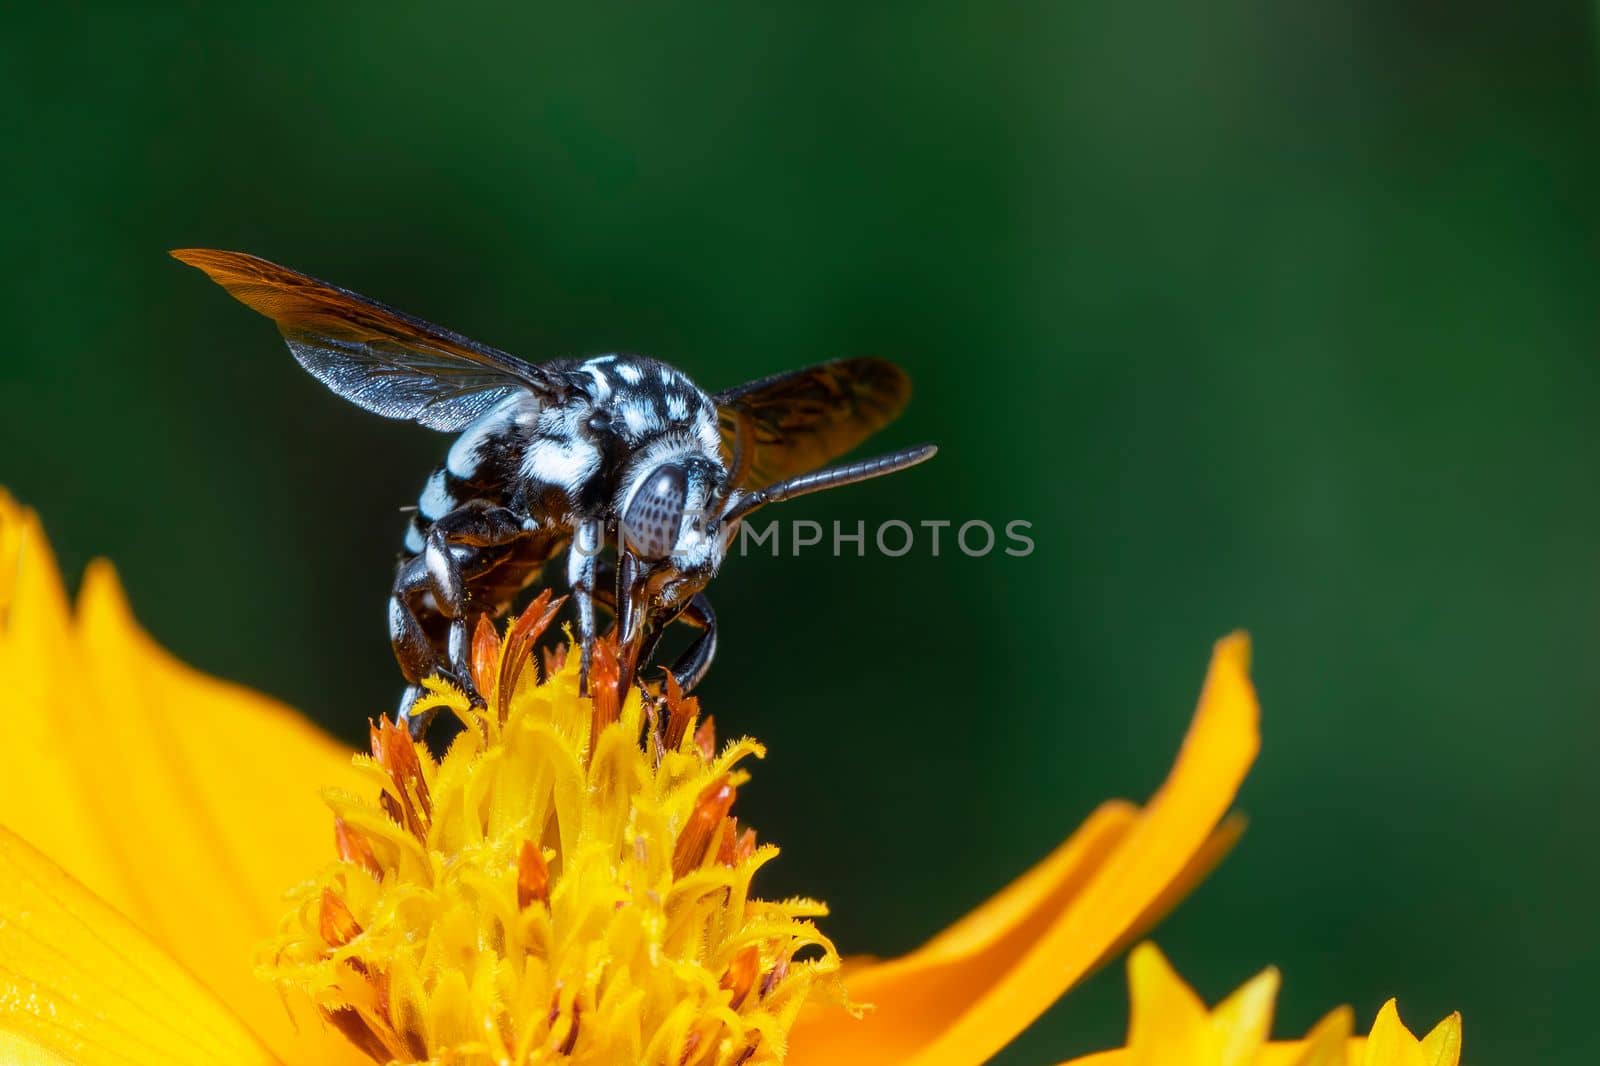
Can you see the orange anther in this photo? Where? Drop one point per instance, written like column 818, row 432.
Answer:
column 710, row 809
column 740, row 976
column 533, row 876
column 334, row 920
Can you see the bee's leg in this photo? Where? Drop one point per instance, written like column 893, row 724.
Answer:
column 633, row 617
column 454, row 550
column 583, row 560
column 691, row 667
column 605, row 594
column 413, row 649
column 402, row 712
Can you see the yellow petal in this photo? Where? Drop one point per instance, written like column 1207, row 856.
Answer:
column 949, row 1007
column 41, row 791
column 1243, row 1021
column 20, row 1051
column 211, row 794
column 1329, row 1040
column 1390, row 1043
column 186, row 803
column 1328, row 1044
column 79, row 983
column 1442, row 1047
column 1292, row 1053
column 1168, row 1023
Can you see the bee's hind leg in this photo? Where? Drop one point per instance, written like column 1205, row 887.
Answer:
column 413, row 650
column 457, row 547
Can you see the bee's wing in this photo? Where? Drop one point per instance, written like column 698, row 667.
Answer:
column 792, row 423
column 378, row 358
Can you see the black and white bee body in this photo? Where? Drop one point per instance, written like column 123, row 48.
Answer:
column 567, row 459
column 618, row 452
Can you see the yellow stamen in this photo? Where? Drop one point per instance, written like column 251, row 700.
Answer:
column 568, row 882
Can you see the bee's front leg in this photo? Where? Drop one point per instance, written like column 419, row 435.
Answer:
column 691, row 667
column 583, row 560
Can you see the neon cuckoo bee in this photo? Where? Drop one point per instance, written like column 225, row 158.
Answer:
column 617, row 451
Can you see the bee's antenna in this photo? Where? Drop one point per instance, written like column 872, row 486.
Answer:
column 742, row 503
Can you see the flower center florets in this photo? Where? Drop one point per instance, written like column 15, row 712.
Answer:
column 567, row 883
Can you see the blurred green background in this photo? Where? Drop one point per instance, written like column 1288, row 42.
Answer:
column 1266, row 315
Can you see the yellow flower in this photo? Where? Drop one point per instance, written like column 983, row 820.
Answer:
column 552, row 886
column 1170, row 1026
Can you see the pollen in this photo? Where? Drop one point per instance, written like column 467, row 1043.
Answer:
column 567, row 884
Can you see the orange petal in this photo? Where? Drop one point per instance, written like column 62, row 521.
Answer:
column 1198, row 868
column 80, row 984
column 1285, row 1053
column 947, row 1006
column 1040, row 891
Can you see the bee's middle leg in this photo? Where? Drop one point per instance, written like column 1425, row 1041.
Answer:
column 583, row 561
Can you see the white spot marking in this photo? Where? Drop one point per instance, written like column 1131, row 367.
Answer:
column 640, row 417
column 462, row 461
column 602, row 387
column 438, row 565
column 709, row 434
column 397, row 616
column 436, row 501
column 567, row 463
column 629, row 373
column 413, row 539
column 677, row 406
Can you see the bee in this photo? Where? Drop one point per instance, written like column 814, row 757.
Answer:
column 618, row 452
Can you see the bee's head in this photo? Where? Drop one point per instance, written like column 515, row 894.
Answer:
column 671, row 523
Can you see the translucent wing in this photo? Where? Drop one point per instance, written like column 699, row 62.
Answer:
column 378, row 358
column 791, row 423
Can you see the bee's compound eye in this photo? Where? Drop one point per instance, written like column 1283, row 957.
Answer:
column 650, row 528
